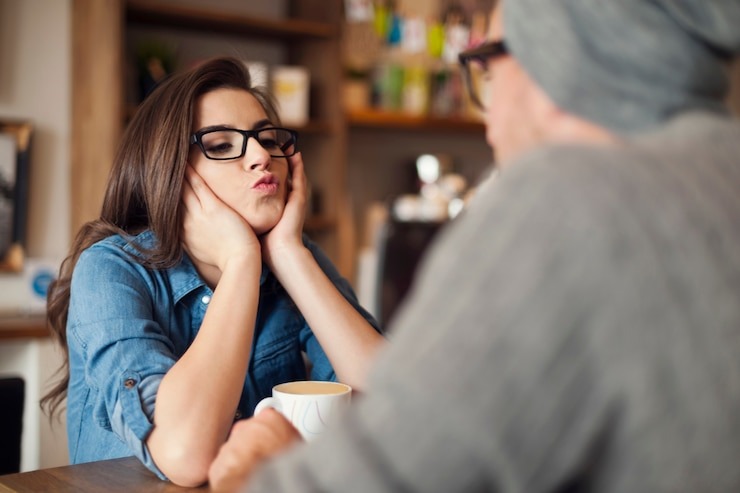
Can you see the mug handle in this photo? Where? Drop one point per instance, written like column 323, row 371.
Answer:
column 265, row 403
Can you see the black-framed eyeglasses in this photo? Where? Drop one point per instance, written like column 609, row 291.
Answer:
column 223, row 143
column 474, row 63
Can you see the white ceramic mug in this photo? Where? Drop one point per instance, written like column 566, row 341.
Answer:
column 311, row 406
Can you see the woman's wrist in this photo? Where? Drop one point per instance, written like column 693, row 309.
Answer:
column 244, row 263
column 286, row 260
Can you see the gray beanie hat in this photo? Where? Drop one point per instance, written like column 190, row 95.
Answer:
column 627, row 65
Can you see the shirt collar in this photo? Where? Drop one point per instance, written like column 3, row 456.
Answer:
column 183, row 277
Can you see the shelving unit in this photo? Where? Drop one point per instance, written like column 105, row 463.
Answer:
column 381, row 173
column 385, row 79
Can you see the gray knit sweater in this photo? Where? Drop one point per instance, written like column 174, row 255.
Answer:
column 577, row 329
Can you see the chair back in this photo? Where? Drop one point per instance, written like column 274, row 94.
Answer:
column 12, row 394
column 402, row 246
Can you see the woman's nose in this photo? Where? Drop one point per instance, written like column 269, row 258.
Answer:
column 257, row 156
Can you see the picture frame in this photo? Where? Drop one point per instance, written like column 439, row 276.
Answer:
column 15, row 147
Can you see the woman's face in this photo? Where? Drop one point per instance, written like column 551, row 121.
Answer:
column 255, row 185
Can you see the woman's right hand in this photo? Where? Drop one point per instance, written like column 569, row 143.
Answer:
column 213, row 233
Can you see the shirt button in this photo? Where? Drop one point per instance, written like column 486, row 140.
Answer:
column 205, row 299
column 129, row 383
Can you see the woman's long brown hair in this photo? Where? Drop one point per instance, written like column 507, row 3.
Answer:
column 145, row 185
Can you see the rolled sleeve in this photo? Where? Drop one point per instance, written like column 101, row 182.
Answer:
column 126, row 353
column 130, row 418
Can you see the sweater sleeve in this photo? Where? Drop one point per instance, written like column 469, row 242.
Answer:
column 488, row 383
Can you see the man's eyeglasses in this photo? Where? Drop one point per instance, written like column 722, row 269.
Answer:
column 221, row 144
column 475, row 66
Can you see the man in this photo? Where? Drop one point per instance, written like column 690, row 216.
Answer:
column 578, row 328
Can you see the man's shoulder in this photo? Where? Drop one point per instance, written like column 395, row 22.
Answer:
column 675, row 182
column 716, row 138
column 693, row 152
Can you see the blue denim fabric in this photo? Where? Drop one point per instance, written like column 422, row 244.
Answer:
column 127, row 326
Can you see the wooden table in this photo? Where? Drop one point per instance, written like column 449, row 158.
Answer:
column 126, row 475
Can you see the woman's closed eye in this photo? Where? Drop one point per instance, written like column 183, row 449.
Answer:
column 220, row 149
column 269, row 143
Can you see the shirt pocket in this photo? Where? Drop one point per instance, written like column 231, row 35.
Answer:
column 278, row 352
column 276, row 361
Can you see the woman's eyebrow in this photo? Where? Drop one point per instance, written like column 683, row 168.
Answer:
column 214, row 127
column 260, row 124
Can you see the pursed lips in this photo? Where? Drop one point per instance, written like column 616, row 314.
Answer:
column 266, row 182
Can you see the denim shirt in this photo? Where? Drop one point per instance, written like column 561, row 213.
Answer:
column 128, row 325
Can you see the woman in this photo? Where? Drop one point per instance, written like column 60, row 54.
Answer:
column 204, row 209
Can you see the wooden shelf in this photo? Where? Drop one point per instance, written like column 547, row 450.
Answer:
column 19, row 327
column 394, row 121
column 180, row 17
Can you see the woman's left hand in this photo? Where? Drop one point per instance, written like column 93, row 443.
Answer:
column 287, row 234
column 213, row 233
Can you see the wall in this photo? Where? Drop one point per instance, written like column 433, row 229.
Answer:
column 35, row 64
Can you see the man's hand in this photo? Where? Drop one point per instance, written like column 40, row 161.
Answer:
column 252, row 441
